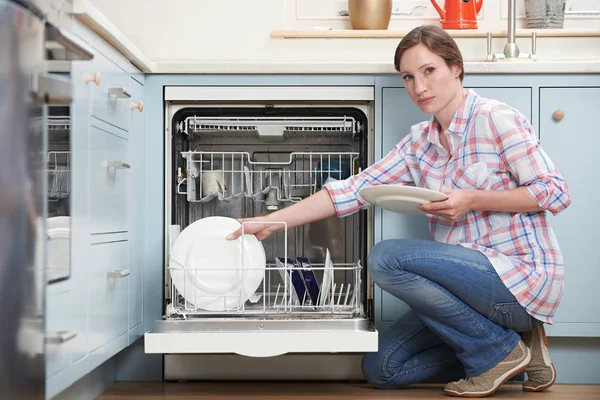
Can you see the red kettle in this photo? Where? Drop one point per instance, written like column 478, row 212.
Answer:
column 459, row 14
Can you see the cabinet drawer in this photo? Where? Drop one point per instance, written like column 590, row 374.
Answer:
column 110, row 173
column 65, row 335
column 111, row 93
column 108, row 291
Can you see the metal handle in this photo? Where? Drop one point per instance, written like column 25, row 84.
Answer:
column 61, row 337
column 53, row 89
column 118, row 164
column 92, row 78
column 139, row 106
column 119, row 93
column 118, row 274
column 74, row 48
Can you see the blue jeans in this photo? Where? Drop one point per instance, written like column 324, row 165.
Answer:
column 463, row 320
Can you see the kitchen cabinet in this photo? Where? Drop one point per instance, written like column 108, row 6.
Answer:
column 398, row 114
column 99, row 311
column 566, row 122
column 556, row 109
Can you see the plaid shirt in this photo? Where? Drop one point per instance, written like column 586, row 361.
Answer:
column 493, row 147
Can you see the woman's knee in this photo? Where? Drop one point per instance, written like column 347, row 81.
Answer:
column 382, row 257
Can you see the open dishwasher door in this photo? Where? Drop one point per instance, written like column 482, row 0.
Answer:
column 246, row 153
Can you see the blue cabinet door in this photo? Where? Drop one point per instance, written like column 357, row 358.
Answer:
column 573, row 143
column 398, row 113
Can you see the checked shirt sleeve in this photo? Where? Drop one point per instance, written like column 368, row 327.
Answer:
column 527, row 161
column 392, row 168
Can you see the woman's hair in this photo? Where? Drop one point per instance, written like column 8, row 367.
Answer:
column 437, row 41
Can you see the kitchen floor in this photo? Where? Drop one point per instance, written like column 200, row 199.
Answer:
column 319, row 390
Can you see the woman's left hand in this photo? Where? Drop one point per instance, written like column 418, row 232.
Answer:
column 453, row 208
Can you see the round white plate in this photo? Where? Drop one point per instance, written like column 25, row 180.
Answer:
column 58, row 222
column 58, row 230
column 400, row 198
column 207, row 269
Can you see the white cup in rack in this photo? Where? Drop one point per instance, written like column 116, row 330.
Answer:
column 213, row 182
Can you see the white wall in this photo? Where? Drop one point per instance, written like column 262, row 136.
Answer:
column 240, row 30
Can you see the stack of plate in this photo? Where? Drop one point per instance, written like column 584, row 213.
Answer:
column 213, row 273
column 58, row 230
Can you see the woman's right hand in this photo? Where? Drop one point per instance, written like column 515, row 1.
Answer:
column 261, row 231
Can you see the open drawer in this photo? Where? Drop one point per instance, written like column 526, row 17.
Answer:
column 261, row 338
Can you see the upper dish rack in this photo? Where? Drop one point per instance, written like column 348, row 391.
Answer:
column 269, row 128
column 271, row 177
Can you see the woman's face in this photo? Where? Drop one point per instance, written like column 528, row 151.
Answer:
column 429, row 81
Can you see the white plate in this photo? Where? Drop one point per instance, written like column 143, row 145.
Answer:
column 58, row 222
column 327, row 279
column 400, row 198
column 207, row 269
column 58, row 230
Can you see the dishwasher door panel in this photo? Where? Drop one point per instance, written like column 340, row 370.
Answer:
column 262, row 338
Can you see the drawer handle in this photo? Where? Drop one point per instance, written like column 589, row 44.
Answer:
column 139, row 106
column 61, row 337
column 119, row 93
column 118, row 274
column 75, row 48
column 558, row 114
column 118, row 164
column 92, row 78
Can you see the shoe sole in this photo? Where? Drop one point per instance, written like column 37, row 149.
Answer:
column 540, row 387
column 509, row 374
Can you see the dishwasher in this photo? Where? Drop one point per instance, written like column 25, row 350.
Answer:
column 241, row 152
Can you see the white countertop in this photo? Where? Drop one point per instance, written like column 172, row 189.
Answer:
column 89, row 15
column 315, row 67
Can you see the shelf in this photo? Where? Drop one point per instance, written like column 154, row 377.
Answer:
column 389, row 34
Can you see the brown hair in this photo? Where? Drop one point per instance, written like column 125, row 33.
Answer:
column 437, row 41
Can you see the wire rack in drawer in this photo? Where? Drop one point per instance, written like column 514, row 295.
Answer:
column 275, row 297
column 293, row 289
column 274, row 178
column 59, row 172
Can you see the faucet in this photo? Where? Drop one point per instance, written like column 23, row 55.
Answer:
column 511, row 50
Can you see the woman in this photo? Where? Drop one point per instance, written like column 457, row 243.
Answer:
column 495, row 267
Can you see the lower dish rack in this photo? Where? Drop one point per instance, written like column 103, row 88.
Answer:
column 277, row 297
column 251, row 287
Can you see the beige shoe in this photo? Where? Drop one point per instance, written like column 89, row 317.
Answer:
column 541, row 373
column 487, row 383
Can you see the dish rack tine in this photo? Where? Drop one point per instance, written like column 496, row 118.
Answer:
column 276, row 295
column 339, row 296
column 332, row 295
column 347, row 294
